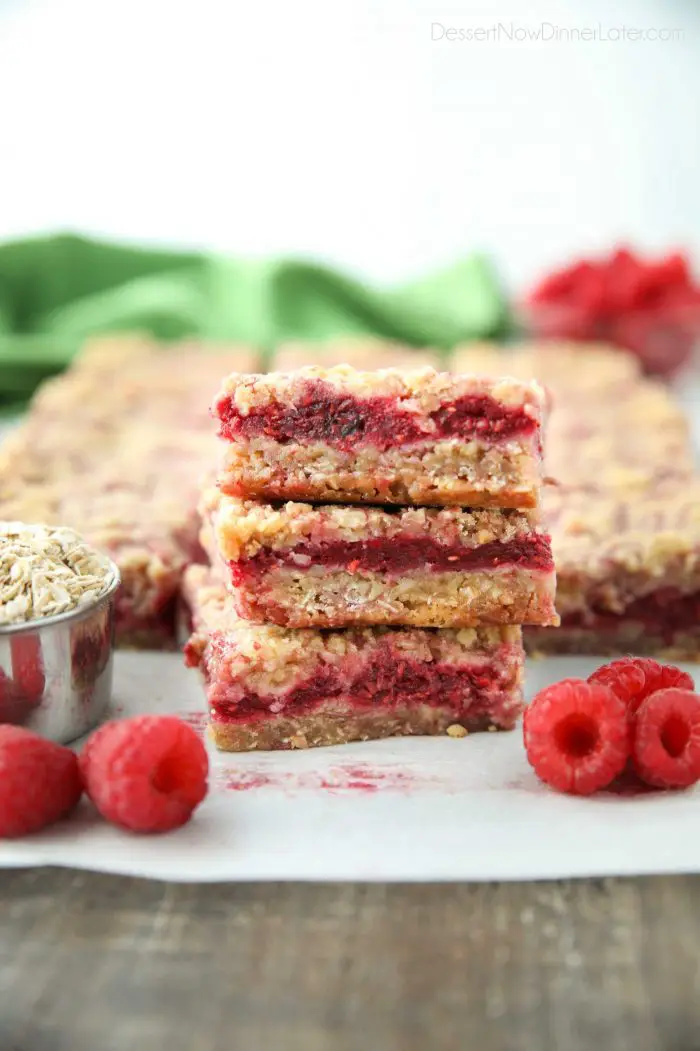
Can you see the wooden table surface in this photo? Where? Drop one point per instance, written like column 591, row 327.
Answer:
column 102, row 963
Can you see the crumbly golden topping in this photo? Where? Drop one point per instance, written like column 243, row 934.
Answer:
column 243, row 527
column 125, row 354
column 45, row 571
column 620, row 442
column 591, row 367
column 142, row 388
column 644, row 533
column 421, row 390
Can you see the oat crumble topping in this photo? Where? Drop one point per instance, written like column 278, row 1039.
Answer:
column 420, row 390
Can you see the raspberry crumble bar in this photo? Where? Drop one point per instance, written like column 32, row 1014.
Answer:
column 329, row 566
column 388, row 437
column 628, row 572
column 270, row 687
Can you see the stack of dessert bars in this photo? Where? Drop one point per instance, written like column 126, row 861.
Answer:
column 374, row 545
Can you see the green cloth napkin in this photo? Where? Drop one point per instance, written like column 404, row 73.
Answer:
column 55, row 291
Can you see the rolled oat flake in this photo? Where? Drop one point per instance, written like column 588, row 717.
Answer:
column 46, row 570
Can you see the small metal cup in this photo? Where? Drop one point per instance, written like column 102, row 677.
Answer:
column 56, row 672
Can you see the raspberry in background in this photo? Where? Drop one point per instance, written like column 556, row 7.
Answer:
column 146, row 774
column 634, row 678
column 39, row 782
column 666, row 741
column 650, row 308
column 577, row 736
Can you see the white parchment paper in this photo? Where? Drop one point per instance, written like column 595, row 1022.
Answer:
column 402, row 810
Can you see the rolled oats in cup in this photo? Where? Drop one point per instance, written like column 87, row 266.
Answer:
column 57, row 596
column 46, row 570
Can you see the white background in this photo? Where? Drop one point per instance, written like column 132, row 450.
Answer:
column 339, row 129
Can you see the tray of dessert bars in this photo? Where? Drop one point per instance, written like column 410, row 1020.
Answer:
column 353, row 591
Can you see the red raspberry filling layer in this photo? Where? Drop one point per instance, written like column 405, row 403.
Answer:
column 324, row 414
column 384, row 682
column 397, row 555
column 665, row 613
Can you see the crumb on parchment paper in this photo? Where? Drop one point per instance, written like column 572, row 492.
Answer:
column 456, row 730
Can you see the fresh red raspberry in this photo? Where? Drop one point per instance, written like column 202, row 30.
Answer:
column 146, row 774
column 627, row 279
column 625, row 677
column 576, row 736
column 635, row 678
column 673, row 270
column 39, row 782
column 560, row 284
column 661, row 677
column 666, row 744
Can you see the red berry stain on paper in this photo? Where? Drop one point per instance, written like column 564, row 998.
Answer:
column 247, row 779
column 336, row 780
